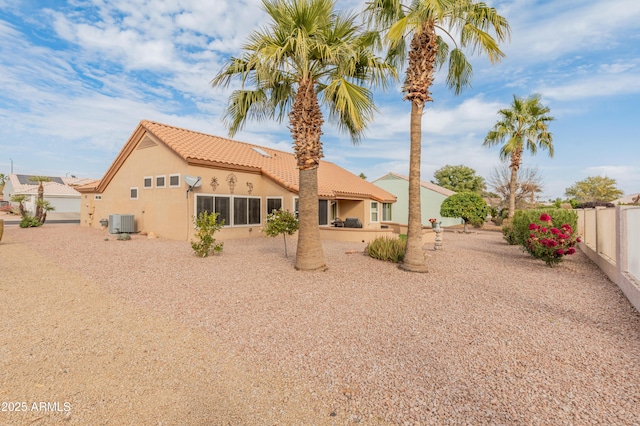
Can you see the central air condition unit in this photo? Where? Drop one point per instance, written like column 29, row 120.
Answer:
column 119, row 223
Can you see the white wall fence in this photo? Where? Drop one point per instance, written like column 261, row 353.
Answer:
column 611, row 239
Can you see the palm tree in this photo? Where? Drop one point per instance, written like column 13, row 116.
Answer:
column 523, row 125
column 306, row 56
column 432, row 26
column 40, row 180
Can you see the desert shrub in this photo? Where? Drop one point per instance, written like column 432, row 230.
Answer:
column 517, row 231
column 29, row 222
column 206, row 225
column 387, row 248
column 124, row 236
column 548, row 242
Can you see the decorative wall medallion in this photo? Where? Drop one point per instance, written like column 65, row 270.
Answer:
column 214, row 183
column 250, row 187
column 231, row 181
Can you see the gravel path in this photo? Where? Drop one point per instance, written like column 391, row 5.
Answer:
column 143, row 332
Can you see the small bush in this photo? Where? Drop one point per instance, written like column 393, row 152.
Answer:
column 281, row 222
column 124, row 236
column 387, row 248
column 29, row 222
column 550, row 243
column 517, row 231
column 206, row 225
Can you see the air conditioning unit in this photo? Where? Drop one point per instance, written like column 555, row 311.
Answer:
column 119, row 223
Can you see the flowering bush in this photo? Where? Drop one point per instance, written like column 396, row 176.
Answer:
column 432, row 220
column 549, row 243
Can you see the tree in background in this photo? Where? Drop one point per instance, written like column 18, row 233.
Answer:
column 40, row 202
column 305, row 55
column 431, row 27
column 524, row 125
column 529, row 185
column 459, row 179
column 594, row 188
column 470, row 206
column 3, row 179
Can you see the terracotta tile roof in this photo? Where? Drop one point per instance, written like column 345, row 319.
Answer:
column 57, row 187
column 424, row 184
column 195, row 147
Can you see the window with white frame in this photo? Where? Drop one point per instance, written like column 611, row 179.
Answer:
column 386, row 212
column 273, row 204
column 174, row 180
column 374, row 211
column 161, row 181
column 323, row 210
column 147, row 182
column 234, row 211
column 133, row 193
column 246, row 210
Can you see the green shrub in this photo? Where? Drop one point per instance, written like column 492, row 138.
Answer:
column 29, row 222
column 281, row 222
column 206, row 225
column 517, row 231
column 124, row 236
column 387, row 248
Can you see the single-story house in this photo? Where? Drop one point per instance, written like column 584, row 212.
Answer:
column 60, row 192
column 431, row 197
column 165, row 175
column 629, row 199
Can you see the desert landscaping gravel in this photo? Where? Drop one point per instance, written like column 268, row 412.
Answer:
column 97, row 331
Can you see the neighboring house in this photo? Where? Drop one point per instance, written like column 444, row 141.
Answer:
column 431, row 197
column 59, row 191
column 150, row 179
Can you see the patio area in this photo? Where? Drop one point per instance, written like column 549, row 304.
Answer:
column 142, row 332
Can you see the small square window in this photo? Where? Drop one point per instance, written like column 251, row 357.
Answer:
column 133, row 193
column 148, row 182
column 161, row 181
column 174, row 181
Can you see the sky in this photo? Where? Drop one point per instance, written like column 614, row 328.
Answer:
column 76, row 78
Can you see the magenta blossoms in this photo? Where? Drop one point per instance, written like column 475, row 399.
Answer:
column 549, row 243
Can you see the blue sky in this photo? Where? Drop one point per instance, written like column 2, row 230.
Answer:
column 76, row 77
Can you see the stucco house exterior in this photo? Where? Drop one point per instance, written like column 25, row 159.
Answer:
column 154, row 179
column 431, row 197
column 59, row 191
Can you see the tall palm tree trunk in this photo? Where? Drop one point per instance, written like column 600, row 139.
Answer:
column 306, row 124
column 516, row 158
column 309, row 254
column 416, row 86
column 40, row 199
column 414, row 260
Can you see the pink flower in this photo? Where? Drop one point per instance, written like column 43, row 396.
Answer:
column 560, row 252
column 567, row 228
column 545, row 217
column 543, row 230
column 533, row 226
column 555, row 231
column 532, row 235
column 553, row 243
column 571, row 250
column 578, row 240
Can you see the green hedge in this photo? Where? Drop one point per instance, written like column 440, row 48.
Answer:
column 517, row 230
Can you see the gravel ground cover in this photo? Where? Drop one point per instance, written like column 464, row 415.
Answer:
column 147, row 333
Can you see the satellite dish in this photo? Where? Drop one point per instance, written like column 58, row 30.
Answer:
column 192, row 181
